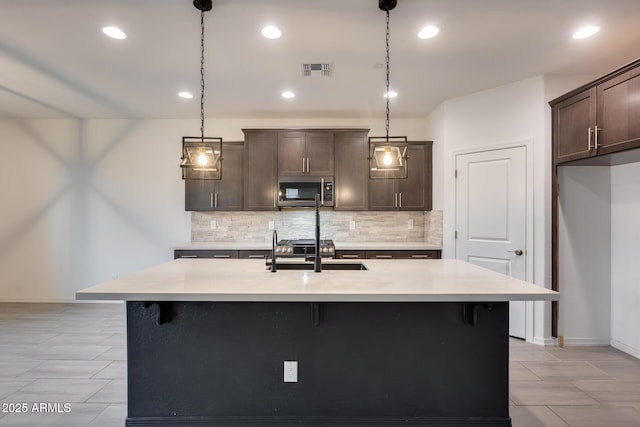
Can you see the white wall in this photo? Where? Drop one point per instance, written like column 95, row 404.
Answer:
column 84, row 200
column 516, row 113
column 625, row 257
column 584, row 262
column 502, row 116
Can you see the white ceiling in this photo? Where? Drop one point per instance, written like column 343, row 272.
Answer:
column 55, row 61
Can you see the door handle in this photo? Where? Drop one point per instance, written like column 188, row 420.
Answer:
column 595, row 137
column 518, row 252
column 308, row 168
column 303, row 165
column 400, row 198
column 589, row 138
column 215, row 200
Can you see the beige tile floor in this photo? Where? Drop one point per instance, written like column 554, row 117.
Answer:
column 76, row 354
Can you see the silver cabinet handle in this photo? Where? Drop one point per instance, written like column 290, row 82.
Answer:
column 395, row 200
column 384, row 256
column 518, row 252
column 257, row 256
column 215, row 200
column 322, row 192
column 188, row 256
column 222, row 256
column 211, row 200
column 589, row 138
column 400, row 200
column 595, row 137
column 420, row 256
column 274, row 200
column 308, row 169
column 303, row 165
column 350, row 256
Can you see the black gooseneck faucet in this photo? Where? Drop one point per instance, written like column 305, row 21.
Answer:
column 317, row 261
column 274, row 240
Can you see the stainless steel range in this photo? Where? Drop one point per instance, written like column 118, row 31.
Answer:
column 305, row 247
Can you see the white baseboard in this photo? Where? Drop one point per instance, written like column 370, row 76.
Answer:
column 546, row 342
column 581, row 342
column 627, row 349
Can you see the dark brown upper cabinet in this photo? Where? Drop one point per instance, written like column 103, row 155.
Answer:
column 351, row 171
column 305, row 153
column 575, row 121
column 224, row 194
column 410, row 194
column 602, row 117
column 618, row 112
column 260, row 172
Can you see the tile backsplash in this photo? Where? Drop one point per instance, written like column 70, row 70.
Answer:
column 299, row 223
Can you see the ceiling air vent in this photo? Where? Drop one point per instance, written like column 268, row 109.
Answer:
column 320, row 70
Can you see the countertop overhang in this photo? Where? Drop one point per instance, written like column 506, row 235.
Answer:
column 248, row 280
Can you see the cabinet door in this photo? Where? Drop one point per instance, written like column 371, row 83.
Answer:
column 404, row 254
column 574, row 124
column 351, row 254
column 291, row 154
column 205, row 253
column 254, row 253
column 260, row 171
column 619, row 113
column 382, row 194
column 228, row 195
column 319, row 151
column 351, row 171
column 414, row 192
column 199, row 194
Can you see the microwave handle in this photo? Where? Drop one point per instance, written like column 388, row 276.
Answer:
column 322, row 192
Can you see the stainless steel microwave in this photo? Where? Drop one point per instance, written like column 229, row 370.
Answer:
column 301, row 191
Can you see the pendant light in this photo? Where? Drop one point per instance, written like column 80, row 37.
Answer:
column 201, row 156
column 387, row 154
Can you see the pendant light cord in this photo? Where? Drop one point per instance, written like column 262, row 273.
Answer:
column 387, row 93
column 202, row 74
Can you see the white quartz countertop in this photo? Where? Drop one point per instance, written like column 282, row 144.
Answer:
column 384, row 281
column 339, row 246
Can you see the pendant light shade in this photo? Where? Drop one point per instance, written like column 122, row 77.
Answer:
column 387, row 154
column 388, row 157
column 201, row 156
column 201, row 159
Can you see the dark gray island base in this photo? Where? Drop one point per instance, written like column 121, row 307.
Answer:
column 359, row 364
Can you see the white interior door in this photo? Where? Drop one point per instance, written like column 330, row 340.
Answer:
column 491, row 189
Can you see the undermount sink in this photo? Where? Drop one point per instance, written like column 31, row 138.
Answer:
column 328, row 266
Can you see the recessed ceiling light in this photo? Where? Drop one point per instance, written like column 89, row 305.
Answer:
column 185, row 95
column 585, row 32
column 428, row 32
column 271, row 32
column 391, row 94
column 288, row 94
column 114, row 33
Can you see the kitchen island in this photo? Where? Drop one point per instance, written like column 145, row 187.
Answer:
column 404, row 342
